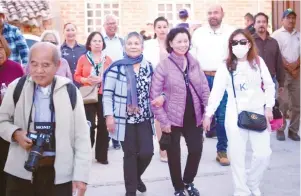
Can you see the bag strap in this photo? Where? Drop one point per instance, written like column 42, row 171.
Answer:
column 18, row 89
column 193, row 87
column 232, row 80
column 71, row 89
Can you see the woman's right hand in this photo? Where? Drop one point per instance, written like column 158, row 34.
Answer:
column 206, row 123
column 166, row 129
column 110, row 122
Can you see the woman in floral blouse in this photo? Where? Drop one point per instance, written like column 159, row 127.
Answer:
column 127, row 110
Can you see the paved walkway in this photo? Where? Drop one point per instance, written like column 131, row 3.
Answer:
column 281, row 179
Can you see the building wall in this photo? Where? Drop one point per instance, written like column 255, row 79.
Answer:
column 135, row 13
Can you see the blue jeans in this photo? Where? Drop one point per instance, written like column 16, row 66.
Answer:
column 222, row 141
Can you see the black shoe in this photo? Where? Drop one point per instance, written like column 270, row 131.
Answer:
column 103, row 162
column 294, row 136
column 280, row 135
column 180, row 193
column 130, row 194
column 116, row 147
column 191, row 190
column 141, row 187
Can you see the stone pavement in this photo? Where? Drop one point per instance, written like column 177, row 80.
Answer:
column 281, row 179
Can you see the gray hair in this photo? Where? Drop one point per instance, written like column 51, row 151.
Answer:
column 56, row 36
column 134, row 34
column 106, row 17
column 56, row 57
column 51, row 32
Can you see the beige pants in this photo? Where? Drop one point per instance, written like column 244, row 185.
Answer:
column 290, row 100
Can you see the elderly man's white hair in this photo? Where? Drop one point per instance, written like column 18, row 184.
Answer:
column 108, row 16
column 51, row 32
column 41, row 46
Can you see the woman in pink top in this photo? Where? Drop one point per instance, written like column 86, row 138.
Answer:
column 53, row 37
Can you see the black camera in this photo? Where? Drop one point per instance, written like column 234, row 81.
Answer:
column 42, row 141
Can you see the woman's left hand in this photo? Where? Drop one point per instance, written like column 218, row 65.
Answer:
column 269, row 114
column 95, row 80
column 158, row 101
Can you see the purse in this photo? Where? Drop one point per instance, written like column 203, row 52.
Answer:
column 89, row 94
column 165, row 141
column 249, row 120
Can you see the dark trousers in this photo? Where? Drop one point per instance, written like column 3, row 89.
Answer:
column 102, row 138
column 4, row 145
column 43, row 185
column 194, row 141
column 138, row 151
column 222, row 140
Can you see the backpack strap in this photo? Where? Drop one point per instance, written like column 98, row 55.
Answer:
column 18, row 89
column 121, row 41
column 72, row 94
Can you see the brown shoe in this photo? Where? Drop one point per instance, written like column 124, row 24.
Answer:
column 293, row 136
column 222, row 158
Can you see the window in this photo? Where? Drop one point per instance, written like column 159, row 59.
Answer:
column 96, row 11
column 170, row 10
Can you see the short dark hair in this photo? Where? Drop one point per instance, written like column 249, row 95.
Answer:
column 172, row 34
column 249, row 16
column 261, row 14
column 69, row 23
column 90, row 37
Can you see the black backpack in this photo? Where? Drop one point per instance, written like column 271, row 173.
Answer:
column 70, row 88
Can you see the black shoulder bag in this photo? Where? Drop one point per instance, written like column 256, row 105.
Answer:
column 249, row 120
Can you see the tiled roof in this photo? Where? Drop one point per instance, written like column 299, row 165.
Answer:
column 31, row 12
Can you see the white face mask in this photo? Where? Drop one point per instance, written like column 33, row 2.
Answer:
column 240, row 50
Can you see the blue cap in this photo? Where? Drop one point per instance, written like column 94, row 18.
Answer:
column 183, row 13
column 288, row 12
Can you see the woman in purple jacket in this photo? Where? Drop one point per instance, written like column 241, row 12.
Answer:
column 186, row 94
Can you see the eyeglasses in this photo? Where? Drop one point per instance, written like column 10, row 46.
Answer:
column 240, row 42
column 51, row 42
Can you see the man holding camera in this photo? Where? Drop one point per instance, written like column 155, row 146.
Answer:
column 50, row 150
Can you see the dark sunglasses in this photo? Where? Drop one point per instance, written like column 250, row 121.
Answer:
column 240, row 42
column 51, row 42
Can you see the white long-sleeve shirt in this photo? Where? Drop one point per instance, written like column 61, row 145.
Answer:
column 247, row 82
column 210, row 47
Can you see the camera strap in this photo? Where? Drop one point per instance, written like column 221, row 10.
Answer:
column 51, row 105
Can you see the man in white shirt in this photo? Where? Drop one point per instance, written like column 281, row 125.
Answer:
column 210, row 47
column 114, row 43
column 114, row 47
column 288, row 39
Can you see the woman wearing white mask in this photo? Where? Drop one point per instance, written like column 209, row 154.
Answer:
column 242, row 76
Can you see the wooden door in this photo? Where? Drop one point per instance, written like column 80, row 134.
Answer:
column 278, row 8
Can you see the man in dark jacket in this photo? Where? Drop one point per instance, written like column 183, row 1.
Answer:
column 249, row 23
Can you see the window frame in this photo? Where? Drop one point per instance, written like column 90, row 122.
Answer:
column 102, row 10
column 175, row 12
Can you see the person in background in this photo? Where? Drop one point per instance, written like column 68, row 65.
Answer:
column 53, row 37
column 242, row 76
column 249, row 23
column 16, row 41
column 89, row 71
column 186, row 95
column 209, row 45
column 288, row 38
column 144, row 35
column 9, row 71
column 183, row 15
column 129, row 118
column 44, row 106
column 71, row 49
column 114, row 47
column 268, row 50
column 155, row 51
